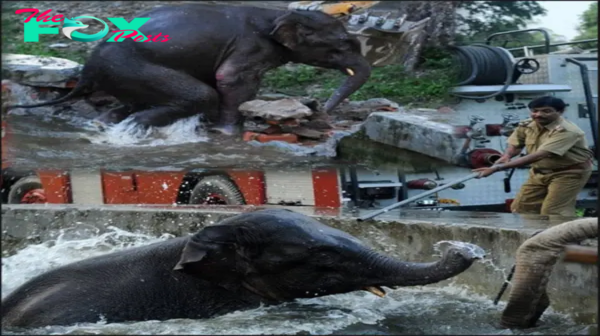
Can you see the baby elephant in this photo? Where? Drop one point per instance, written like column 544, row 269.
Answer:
column 262, row 257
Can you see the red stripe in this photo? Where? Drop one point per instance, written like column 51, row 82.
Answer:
column 326, row 187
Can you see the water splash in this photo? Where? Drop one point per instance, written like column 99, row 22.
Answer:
column 128, row 133
column 473, row 251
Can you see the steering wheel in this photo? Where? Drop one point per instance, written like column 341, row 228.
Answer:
column 527, row 66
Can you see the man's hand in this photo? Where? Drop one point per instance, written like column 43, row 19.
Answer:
column 485, row 172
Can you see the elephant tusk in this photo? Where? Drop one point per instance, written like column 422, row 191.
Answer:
column 350, row 72
column 375, row 290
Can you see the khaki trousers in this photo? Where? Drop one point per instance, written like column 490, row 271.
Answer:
column 551, row 194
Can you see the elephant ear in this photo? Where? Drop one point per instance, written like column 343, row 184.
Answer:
column 291, row 30
column 218, row 253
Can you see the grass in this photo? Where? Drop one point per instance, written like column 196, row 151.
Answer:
column 427, row 87
column 12, row 40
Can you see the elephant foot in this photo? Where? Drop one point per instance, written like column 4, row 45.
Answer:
column 319, row 122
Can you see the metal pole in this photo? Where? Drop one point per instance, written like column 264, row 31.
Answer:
column 414, row 198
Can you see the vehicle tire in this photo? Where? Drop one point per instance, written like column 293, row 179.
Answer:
column 216, row 190
column 24, row 186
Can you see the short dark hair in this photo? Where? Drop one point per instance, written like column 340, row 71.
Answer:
column 548, row 101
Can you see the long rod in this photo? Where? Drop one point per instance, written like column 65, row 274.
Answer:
column 408, row 200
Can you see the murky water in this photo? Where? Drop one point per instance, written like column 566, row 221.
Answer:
column 407, row 311
column 54, row 142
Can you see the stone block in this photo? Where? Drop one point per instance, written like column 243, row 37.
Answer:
column 41, row 71
column 276, row 110
column 417, row 133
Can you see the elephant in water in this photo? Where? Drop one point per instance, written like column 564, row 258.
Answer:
column 536, row 258
column 211, row 60
column 262, row 257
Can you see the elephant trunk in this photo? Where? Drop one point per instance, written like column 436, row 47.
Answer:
column 358, row 74
column 534, row 262
column 396, row 273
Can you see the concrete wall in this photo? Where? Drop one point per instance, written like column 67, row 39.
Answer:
column 573, row 287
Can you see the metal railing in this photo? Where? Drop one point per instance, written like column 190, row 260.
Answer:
column 589, row 99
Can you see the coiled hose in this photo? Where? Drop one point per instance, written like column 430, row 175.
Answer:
column 480, row 64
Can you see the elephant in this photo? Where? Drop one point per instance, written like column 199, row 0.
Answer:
column 536, row 258
column 263, row 257
column 212, row 60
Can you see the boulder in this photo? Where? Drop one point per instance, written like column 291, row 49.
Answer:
column 275, row 110
column 40, row 71
column 414, row 131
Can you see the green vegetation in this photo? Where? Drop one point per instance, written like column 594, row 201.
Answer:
column 429, row 86
column 12, row 40
column 588, row 25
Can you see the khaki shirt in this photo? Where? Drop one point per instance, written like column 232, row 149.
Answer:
column 562, row 138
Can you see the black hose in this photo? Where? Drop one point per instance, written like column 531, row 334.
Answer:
column 480, row 64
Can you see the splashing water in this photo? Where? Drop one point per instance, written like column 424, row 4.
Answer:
column 127, row 133
column 406, row 311
column 472, row 250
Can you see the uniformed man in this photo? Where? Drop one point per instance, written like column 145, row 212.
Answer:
column 561, row 162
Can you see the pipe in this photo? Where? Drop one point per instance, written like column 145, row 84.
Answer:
column 414, row 198
column 555, row 44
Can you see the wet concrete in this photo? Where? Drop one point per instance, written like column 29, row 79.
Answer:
column 408, row 235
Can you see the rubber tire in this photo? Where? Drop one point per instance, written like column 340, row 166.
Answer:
column 217, row 185
column 21, row 187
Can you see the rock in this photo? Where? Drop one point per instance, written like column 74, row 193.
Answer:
column 305, row 132
column 374, row 104
column 360, row 110
column 40, row 71
column 275, row 110
column 58, row 45
column 414, row 132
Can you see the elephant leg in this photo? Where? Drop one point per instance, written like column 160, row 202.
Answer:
column 162, row 95
column 116, row 115
column 235, row 87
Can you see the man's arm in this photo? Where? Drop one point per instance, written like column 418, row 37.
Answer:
column 523, row 161
column 510, row 152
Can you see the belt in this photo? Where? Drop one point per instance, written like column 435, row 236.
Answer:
column 582, row 165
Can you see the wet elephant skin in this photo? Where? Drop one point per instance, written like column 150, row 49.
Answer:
column 214, row 59
column 262, row 257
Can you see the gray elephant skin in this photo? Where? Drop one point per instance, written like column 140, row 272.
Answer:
column 213, row 61
column 535, row 260
column 264, row 257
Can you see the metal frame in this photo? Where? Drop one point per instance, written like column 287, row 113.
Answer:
column 589, row 100
column 543, row 31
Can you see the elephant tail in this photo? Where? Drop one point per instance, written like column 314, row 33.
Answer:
column 536, row 258
column 83, row 88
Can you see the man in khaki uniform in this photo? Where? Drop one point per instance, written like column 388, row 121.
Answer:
column 561, row 162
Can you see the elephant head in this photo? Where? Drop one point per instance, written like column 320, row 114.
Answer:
column 281, row 255
column 318, row 39
column 535, row 259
